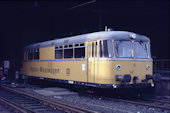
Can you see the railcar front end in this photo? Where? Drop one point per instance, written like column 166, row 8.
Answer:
column 121, row 63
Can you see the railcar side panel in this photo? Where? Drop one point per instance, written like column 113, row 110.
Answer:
column 77, row 70
column 65, row 70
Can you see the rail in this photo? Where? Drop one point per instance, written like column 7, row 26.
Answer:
column 58, row 105
column 144, row 104
column 14, row 106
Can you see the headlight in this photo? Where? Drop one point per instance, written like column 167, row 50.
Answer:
column 114, row 86
column 118, row 67
column 133, row 35
column 152, row 84
column 147, row 67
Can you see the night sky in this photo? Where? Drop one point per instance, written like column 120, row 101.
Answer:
column 23, row 23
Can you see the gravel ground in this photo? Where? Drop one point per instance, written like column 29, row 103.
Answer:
column 106, row 106
column 98, row 104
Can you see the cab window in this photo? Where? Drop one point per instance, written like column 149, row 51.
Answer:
column 123, row 49
column 106, row 48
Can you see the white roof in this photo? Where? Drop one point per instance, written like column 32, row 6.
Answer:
column 115, row 35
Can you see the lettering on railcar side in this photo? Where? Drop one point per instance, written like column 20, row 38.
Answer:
column 34, row 69
column 45, row 70
column 50, row 70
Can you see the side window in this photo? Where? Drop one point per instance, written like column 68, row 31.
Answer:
column 92, row 49
column 68, row 51
column 101, row 49
column 58, row 52
column 89, row 50
column 36, row 54
column 32, row 54
column 96, row 50
column 80, row 51
column 106, row 48
column 110, row 48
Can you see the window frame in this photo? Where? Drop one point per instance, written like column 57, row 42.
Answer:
column 67, row 47
column 101, row 49
column 36, row 50
column 148, row 51
column 77, row 46
column 30, row 54
column 132, row 49
column 58, row 48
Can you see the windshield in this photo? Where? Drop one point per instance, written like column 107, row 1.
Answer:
column 123, row 49
column 141, row 49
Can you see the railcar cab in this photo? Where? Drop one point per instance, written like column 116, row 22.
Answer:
column 120, row 61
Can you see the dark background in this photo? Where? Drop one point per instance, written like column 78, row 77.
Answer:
column 27, row 22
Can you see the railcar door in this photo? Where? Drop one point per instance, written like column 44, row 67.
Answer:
column 92, row 60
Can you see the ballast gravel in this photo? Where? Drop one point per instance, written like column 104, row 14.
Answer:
column 97, row 104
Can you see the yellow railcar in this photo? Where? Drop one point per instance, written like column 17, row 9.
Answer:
column 106, row 59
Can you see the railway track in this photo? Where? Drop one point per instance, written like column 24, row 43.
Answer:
column 142, row 101
column 153, row 104
column 13, row 106
column 44, row 105
column 27, row 103
column 158, row 104
column 147, row 104
column 155, row 99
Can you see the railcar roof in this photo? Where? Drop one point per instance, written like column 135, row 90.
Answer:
column 116, row 35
